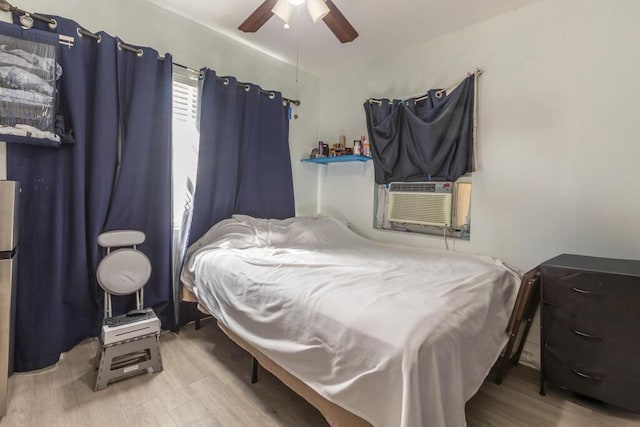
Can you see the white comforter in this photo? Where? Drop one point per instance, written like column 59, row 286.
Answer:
column 397, row 335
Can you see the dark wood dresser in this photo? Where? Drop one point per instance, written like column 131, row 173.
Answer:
column 590, row 324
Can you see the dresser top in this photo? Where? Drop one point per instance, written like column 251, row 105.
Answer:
column 602, row 265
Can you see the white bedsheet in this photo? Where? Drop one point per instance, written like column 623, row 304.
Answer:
column 397, row 335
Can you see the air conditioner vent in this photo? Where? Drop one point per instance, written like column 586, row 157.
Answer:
column 430, row 206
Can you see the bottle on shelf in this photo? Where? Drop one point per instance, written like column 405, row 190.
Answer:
column 366, row 147
column 320, row 149
column 342, row 141
column 356, row 148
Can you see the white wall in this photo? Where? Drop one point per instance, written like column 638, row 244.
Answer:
column 559, row 140
column 140, row 22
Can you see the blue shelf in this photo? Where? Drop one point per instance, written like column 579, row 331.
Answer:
column 338, row 159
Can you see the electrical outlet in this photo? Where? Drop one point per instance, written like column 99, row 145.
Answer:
column 526, row 356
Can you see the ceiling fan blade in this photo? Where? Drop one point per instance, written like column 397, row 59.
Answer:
column 258, row 18
column 339, row 25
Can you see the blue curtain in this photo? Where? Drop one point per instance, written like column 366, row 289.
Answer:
column 142, row 195
column 423, row 140
column 244, row 165
column 69, row 194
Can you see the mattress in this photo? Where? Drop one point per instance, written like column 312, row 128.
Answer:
column 396, row 335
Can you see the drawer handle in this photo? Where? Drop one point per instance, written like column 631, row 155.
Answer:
column 585, row 292
column 587, row 336
column 586, row 376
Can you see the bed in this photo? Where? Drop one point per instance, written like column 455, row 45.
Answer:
column 387, row 335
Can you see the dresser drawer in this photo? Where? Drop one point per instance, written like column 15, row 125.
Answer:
column 585, row 339
column 617, row 386
column 592, row 293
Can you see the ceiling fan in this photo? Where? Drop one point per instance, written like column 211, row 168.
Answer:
column 318, row 9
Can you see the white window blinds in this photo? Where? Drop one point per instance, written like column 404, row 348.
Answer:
column 185, row 98
column 185, row 141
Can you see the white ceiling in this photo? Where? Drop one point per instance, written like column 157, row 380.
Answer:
column 384, row 26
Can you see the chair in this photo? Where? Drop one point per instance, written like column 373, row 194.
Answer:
column 129, row 343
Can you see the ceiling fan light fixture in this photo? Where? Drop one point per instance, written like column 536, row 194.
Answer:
column 282, row 10
column 317, row 9
column 335, row 20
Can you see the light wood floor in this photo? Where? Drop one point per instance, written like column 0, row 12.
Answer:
column 206, row 383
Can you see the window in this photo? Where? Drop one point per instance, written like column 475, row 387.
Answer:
column 185, row 139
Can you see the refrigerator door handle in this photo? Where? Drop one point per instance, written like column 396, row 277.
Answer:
column 8, row 254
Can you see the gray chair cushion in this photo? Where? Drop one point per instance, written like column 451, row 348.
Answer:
column 123, row 271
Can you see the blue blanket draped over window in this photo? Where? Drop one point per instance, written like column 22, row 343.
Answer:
column 431, row 139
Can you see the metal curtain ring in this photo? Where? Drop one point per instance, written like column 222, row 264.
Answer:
column 201, row 75
column 26, row 21
column 247, row 88
column 225, row 81
column 272, row 95
column 139, row 52
column 81, row 33
column 53, row 24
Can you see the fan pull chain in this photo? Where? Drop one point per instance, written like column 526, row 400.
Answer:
column 295, row 116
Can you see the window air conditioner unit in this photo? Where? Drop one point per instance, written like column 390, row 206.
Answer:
column 422, row 203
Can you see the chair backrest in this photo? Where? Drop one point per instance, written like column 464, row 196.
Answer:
column 125, row 270
column 121, row 238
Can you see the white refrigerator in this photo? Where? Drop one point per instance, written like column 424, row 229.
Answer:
column 9, row 203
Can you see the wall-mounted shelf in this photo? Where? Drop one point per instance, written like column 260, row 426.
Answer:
column 338, row 159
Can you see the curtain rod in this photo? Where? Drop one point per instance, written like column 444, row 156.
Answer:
column 295, row 102
column 5, row 6
column 439, row 93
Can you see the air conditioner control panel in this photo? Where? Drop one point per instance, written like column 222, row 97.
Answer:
column 421, row 187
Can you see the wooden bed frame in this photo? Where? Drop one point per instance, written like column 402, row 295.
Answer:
column 335, row 415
